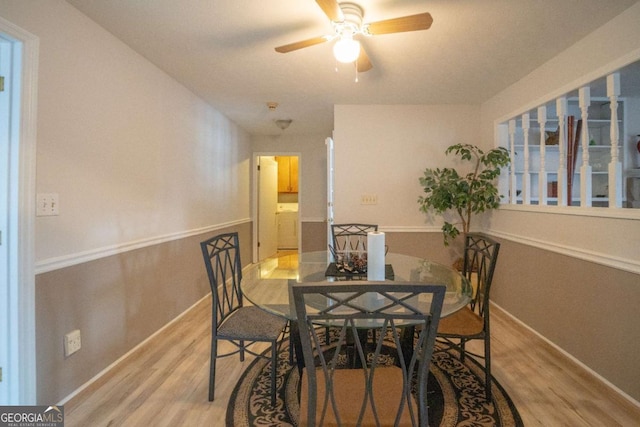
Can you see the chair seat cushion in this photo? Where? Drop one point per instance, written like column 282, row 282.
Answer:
column 463, row 322
column 251, row 323
column 348, row 390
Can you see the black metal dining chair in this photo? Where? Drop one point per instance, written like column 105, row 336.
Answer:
column 351, row 237
column 232, row 321
column 380, row 391
column 345, row 238
column 473, row 322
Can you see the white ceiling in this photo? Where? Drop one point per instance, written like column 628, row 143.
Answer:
column 223, row 50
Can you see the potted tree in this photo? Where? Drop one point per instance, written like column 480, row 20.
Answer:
column 447, row 190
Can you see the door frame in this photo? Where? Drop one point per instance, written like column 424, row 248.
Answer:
column 329, row 142
column 20, row 373
column 254, row 194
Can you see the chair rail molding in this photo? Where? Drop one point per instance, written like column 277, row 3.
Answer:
column 410, row 228
column 617, row 262
column 57, row 263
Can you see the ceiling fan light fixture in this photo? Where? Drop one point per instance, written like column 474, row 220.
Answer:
column 346, row 49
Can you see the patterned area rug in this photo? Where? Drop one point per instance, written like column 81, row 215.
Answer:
column 455, row 396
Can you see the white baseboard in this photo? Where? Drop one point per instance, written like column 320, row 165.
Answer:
column 570, row 356
column 130, row 352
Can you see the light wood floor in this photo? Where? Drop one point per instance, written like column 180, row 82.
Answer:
column 165, row 383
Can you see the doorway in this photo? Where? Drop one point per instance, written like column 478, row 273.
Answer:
column 276, row 203
column 18, row 65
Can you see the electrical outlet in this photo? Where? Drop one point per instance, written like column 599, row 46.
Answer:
column 369, row 199
column 72, row 342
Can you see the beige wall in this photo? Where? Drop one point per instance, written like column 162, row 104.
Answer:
column 118, row 140
column 133, row 155
column 314, row 236
column 420, row 244
column 384, row 149
column 573, row 278
column 144, row 169
column 589, row 310
column 117, row 302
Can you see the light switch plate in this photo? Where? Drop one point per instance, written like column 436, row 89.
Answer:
column 47, row 204
column 369, row 199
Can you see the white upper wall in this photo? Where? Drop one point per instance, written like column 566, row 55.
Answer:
column 603, row 235
column 383, row 150
column 134, row 156
column 606, row 49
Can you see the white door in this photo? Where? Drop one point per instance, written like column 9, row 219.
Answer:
column 330, row 163
column 267, row 207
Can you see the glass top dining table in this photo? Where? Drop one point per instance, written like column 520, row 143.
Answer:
column 267, row 284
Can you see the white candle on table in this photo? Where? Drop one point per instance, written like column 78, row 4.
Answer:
column 375, row 255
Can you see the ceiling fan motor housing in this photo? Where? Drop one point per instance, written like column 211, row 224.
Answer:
column 352, row 19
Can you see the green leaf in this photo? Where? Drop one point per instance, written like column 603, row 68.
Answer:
column 475, row 192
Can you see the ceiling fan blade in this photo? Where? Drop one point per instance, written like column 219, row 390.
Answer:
column 331, row 8
column 363, row 63
column 302, row 44
column 421, row 21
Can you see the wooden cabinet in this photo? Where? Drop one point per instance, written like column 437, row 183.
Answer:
column 287, row 174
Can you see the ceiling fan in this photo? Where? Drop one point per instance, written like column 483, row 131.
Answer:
column 346, row 19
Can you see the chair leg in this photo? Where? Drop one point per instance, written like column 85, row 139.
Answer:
column 212, row 369
column 274, row 371
column 463, row 351
column 487, row 368
column 291, row 350
column 287, row 334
